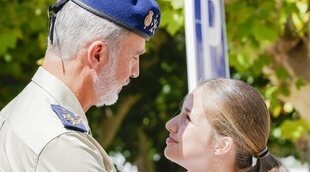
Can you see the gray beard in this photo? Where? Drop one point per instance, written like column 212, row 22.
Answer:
column 105, row 84
column 107, row 90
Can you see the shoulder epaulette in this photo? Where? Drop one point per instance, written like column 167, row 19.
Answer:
column 69, row 119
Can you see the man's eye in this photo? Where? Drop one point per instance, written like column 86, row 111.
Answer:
column 135, row 57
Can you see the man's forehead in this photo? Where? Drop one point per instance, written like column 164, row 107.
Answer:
column 135, row 42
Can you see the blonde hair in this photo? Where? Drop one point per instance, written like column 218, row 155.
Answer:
column 237, row 110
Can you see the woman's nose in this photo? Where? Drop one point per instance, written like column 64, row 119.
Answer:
column 172, row 126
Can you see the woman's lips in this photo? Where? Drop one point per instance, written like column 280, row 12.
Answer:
column 169, row 141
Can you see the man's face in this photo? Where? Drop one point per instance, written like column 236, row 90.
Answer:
column 123, row 65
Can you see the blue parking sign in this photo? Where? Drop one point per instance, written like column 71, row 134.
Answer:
column 205, row 41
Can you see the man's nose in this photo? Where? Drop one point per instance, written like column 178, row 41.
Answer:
column 135, row 71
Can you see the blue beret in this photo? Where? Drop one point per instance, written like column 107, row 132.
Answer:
column 139, row 16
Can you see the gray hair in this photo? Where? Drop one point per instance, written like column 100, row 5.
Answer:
column 74, row 26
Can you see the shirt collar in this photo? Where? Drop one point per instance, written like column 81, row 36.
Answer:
column 60, row 92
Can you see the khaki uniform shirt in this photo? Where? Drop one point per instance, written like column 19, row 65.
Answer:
column 34, row 138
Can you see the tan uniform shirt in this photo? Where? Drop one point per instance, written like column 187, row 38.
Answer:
column 34, row 138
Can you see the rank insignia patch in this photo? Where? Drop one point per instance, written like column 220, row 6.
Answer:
column 69, row 119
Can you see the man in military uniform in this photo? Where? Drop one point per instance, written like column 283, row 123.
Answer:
column 93, row 50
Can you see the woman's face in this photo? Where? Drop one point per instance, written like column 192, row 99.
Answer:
column 190, row 140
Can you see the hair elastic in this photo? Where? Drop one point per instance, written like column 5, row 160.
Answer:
column 262, row 154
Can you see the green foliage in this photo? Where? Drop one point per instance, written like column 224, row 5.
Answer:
column 294, row 130
column 172, row 15
column 23, row 25
column 252, row 27
column 299, row 83
column 8, row 39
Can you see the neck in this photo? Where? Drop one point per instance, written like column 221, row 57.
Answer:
column 216, row 168
column 75, row 76
column 214, row 165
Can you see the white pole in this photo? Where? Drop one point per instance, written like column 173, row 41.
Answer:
column 190, row 44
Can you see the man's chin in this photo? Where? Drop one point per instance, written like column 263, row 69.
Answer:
column 108, row 102
column 111, row 102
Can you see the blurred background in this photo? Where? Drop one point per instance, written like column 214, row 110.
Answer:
column 268, row 47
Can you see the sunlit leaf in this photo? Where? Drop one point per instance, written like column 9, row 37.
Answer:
column 294, row 129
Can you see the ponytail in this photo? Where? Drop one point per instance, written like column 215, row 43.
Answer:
column 269, row 163
column 265, row 162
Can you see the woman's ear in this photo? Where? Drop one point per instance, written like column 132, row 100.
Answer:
column 97, row 55
column 224, row 145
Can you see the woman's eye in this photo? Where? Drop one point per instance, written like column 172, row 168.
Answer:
column 187, row 117
column 135, row 57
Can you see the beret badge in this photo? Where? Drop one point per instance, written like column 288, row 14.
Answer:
column 148, row 19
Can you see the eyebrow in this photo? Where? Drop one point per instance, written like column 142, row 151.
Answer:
column 186, row 109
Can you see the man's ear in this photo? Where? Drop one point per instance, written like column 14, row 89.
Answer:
column 97, row 54
column 223, row 145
